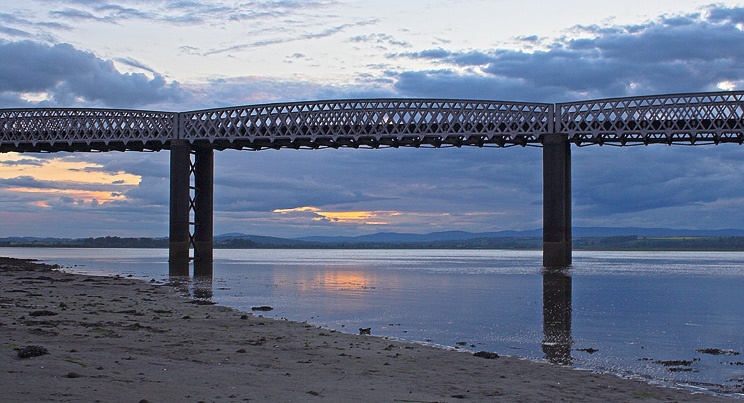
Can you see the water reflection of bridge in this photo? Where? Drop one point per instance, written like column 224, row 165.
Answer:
column 192, row 137
column 557, row 313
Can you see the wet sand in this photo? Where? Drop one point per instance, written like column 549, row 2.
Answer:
column 77, row 338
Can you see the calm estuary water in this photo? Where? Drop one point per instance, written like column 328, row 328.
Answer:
column 673, row 318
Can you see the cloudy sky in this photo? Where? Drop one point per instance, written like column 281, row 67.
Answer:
column 185, row 55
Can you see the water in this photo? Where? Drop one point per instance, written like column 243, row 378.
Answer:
column 648, row 315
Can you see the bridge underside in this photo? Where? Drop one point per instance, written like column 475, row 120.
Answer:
column 316, row 142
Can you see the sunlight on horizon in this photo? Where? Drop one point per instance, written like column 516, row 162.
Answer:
column 54, row 178
column 356, row 217
column 57, row 169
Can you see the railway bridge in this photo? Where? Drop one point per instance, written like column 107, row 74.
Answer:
column 192, row 137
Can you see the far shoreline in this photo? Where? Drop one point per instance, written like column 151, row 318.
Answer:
column 629, row 243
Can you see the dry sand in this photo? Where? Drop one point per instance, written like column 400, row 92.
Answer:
column 114, row 339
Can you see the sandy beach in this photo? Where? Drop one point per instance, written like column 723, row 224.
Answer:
column 80, row 338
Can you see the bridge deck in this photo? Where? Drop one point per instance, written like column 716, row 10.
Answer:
column 702, row 118
column 685, row 118
column 52, row 130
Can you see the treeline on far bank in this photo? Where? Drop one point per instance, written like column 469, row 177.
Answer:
column 619, row 243
column 637, row 243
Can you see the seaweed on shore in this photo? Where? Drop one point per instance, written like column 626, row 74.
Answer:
column 32, row 351
column 674, row 363
column 716, row 351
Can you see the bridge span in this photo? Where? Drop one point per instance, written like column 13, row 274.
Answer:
column 191, row 138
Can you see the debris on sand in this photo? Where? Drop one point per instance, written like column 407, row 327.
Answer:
column 486, row 354
column 589, row 350
column 32, row 351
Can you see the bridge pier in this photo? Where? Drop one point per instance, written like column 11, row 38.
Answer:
column 203, row 211
column 556, row 201
column 182, row 204
column 180, row 210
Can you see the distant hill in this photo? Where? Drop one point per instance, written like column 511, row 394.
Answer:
column 577, row 232
column 258, row 239
column 626, row 238
column 432, row 237
column 593, row 232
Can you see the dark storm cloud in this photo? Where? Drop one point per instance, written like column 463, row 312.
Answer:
column 70, row 75
column 685, row 53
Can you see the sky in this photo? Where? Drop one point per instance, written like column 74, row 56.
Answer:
column 193, row 54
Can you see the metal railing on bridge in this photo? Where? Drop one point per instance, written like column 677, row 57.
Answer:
column 57, row 129
column 702, row 118
column 370, row 123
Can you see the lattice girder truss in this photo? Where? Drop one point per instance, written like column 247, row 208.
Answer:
column 84, row 129
column 702, row 118
column 684, row 118
column 370, row 123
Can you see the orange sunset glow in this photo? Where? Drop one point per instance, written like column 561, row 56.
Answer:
column 82, row 195
column 58, row 169
column 353, row 217
column 71, row 179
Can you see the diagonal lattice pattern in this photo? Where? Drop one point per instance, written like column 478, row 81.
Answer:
column 373, row 123
column 690, row 118
column 83, row 129
column 671, row 119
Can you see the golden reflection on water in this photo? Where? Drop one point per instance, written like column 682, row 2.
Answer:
column 344, row 282
column 353, row 287
column 336, row 280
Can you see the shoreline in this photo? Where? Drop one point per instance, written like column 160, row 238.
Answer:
column 120, row 339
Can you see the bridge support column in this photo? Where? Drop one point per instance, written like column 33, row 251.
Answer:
column 556, row 201
column 203, row 212
column 180, row 180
